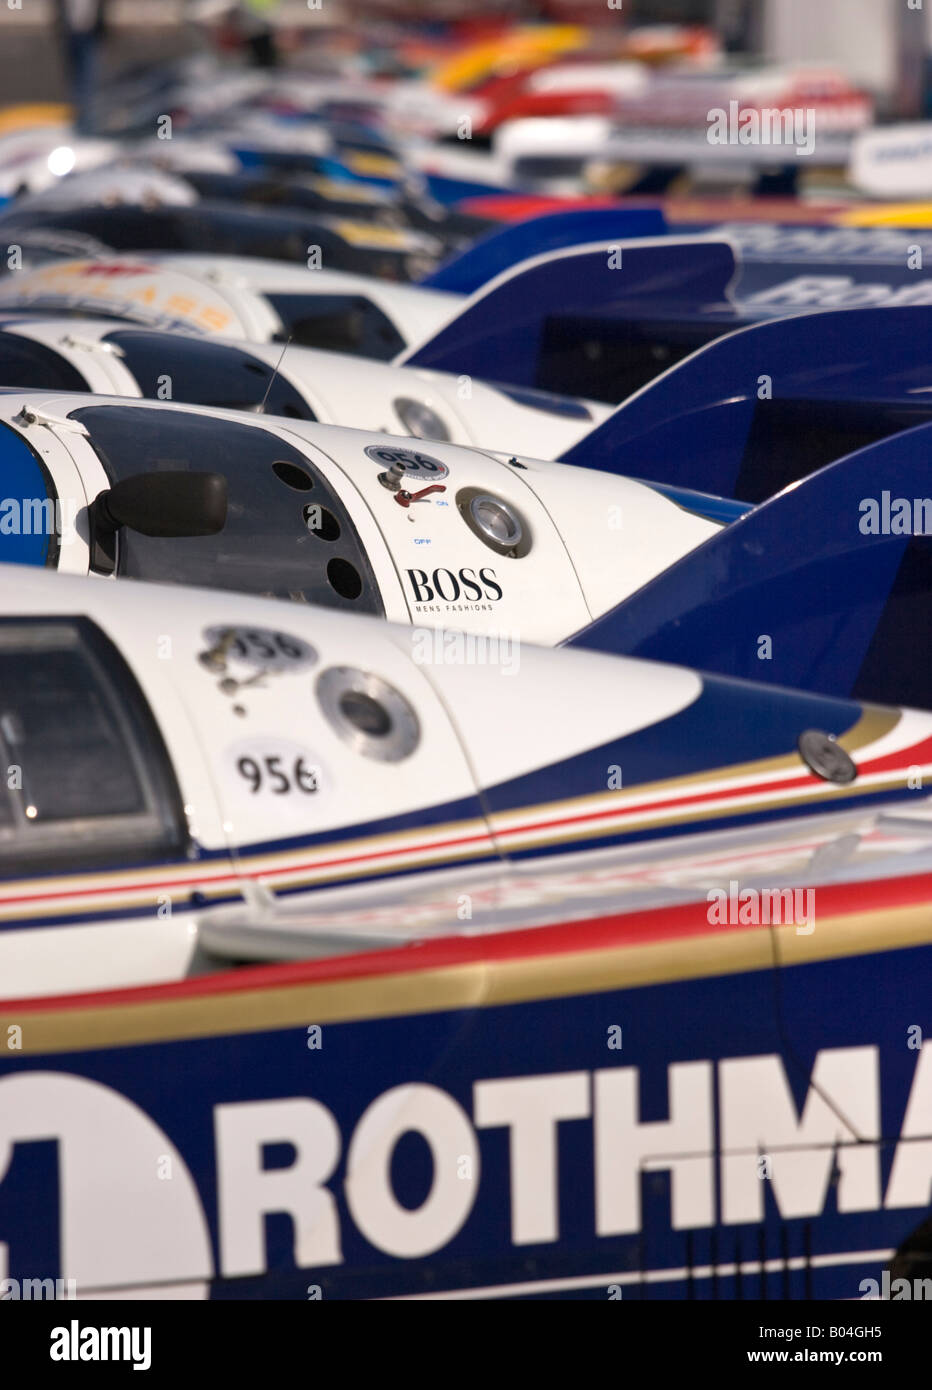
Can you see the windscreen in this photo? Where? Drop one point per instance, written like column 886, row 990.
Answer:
column 200, row 371
column 337, row 323
column 88, row 775
column 287, row 533
column 24, row 362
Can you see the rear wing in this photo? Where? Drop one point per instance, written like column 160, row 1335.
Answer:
column 826, row 588
column 552, row 231
column 531, row 325
column 787, row 268
column 762, row 407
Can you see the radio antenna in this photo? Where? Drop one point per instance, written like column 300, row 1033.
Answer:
column 274, row 375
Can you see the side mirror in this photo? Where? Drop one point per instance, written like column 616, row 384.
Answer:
column 156, row 504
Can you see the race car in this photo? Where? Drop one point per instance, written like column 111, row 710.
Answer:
column 341, row 198
column 159, row 181
column 226, row 118
column 35, row 156
column 513, row 69
column 319, row 514
column 238, row 297
column 615, row 316
column 597, row 320
column 644, row 139
column 128, row 360
column 258, row 300
column 537, row 959
column 221, row 229
column 679, row 97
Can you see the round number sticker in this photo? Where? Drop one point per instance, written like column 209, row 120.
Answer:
column 412, row 462
column 259, row 647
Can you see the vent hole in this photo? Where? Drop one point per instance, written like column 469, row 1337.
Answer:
column 321, row 522
column 344, row 578
column 292, row 476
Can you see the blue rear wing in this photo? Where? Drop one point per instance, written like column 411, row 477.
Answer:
column 530, row 325
column 826, row 588
column 552, row 231
column 787, row 268
column 762, row 407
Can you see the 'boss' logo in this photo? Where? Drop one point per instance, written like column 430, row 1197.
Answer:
column 449, row 585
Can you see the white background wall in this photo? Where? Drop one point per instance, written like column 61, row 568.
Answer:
column 860, row 35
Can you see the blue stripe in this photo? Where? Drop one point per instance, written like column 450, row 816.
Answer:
column 721, row 509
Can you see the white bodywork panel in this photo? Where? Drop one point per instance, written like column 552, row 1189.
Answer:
column 215, row 294
column 343, row 390
column 592, row 538
column 162, row 633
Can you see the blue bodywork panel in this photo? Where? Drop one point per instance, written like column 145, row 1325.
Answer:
column 507, row 331
column 28, row 516
column 502, row 249
column 181, row 1085
column 760, row 408
column 610, row 343
column 821, row 589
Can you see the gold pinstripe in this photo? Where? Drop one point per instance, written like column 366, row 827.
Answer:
column 869, row 728
column 469, row 985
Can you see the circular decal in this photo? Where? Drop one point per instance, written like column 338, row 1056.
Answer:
column 258, row 647
column 826, row 758
column 370, row 715
column 411, row 462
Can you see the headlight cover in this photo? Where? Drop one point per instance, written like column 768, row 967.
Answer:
column 497, row 523
column 367, row 713
column 419, row 419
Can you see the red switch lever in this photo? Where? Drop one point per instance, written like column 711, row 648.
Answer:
column 404, row 498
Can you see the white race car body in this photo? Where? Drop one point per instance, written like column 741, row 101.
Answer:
column 213, row 726
column 435, row 535
column 272, row 781
column 130, row 360
column 235, row 297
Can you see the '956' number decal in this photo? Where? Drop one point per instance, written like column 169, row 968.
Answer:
column 261, row 648
column 278, row 775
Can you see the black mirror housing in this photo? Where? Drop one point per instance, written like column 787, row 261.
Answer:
column 156, row 504
column 164, row 504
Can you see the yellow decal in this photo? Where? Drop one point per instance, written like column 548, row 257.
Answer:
column 382, row 166
column 347, row 192
column 371, row 234
column 889, row 215
column 31, row 114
